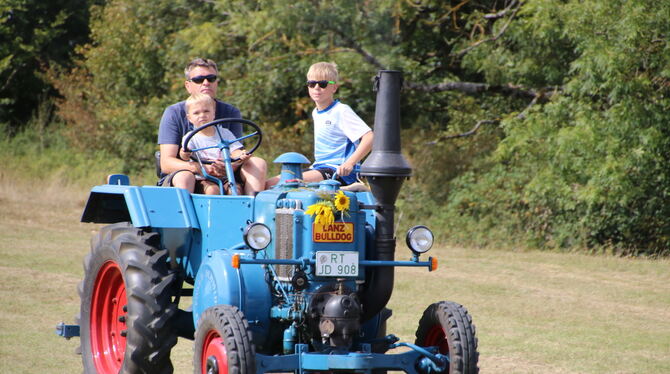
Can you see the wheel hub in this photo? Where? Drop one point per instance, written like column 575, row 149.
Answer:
column 436, row 337
column 212, row 365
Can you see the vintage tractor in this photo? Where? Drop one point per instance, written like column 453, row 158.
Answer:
column 295, row 279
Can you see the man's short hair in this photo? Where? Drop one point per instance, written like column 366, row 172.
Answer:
column 199, row 62
column 323, row 70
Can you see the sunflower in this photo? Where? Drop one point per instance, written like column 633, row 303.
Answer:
column 314, row 209
column 323, row 212
column 341, row 202
column 325, row 216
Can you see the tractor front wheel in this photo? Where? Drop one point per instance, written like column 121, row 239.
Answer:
column 448, row 326
column 126, row 303
column 223, row 342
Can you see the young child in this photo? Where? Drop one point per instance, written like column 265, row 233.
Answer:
column 200, row 110
column 341, row 138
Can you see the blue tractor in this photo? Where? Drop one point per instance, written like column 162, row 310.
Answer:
column 274, row 284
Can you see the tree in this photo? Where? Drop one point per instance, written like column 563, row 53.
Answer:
column 35, row 35
column 589, row 168
column 536, row 120
column 115, row 95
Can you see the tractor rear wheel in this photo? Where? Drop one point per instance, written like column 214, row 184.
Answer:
column 223, row 342
column 448, row 326
column 126, row 303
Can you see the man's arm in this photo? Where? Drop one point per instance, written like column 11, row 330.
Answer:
column 170, row 162
column 361, row 151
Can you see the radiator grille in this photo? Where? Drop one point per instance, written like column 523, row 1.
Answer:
column 284, row 243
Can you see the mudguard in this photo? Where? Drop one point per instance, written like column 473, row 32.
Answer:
column 217, row 282
column 147, row 206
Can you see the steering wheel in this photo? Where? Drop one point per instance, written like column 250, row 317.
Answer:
column 225, row 143
column 224, row 146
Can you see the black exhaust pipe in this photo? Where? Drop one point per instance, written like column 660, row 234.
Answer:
column 385, row 169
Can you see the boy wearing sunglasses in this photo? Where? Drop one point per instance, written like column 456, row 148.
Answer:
column 341, row 137
column 201, row 78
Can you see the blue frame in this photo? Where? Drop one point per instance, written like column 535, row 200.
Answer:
column 416, row 361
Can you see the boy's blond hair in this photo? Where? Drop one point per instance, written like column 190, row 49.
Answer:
column 199, row 98
column 323, row 70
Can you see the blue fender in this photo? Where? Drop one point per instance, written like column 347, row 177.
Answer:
column 217, row 283
column 147, row 206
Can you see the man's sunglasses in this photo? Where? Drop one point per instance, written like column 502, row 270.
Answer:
column 201, row 78
column 322, row 84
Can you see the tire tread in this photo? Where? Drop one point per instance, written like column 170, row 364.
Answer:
column 143, row 263
column 460, row 334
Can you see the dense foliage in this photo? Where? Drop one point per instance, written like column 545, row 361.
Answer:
column 590, row 167
column 35, row 35
column 529, row 123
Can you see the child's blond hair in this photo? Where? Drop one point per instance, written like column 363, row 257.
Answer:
column 323, row 70
column 199, row 98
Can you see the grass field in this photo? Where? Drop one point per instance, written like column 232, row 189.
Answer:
column 535, row 312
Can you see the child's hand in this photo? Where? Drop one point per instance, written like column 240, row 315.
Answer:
column 184, row 155
column 216, row 169
column 242, row 155
column 345, row 169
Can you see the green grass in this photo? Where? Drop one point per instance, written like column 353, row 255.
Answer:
column 535, row 312
column 550, row 312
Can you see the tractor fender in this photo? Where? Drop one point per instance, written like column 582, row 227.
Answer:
column 218, row 283
column 146, row 206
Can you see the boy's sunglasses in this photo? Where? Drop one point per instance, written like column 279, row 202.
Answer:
column 322, row 84
column 201, row 78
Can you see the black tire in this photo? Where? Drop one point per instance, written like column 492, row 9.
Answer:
column 449, row 326
column 126, row 303
column 223, row 339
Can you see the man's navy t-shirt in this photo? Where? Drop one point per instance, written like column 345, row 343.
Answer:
column 174, row 124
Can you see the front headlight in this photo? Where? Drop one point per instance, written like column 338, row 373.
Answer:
column 419, row 239
column 257, row 236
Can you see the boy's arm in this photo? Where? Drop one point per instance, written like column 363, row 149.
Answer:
column 361, row 151
column 237, row 153
column 170, row 162
column 240, row 153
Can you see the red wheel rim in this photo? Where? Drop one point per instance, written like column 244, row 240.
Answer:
column 108, row 320
column 214, row 351
column 437, row 338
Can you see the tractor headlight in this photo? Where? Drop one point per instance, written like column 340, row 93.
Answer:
column 419, row 239
column 257, row 236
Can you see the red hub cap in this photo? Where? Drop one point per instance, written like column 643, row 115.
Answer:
column 108, row 319
column 214, row 358
column 436, row 337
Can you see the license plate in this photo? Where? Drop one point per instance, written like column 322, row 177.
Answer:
column 337, row 232
column 336, row 264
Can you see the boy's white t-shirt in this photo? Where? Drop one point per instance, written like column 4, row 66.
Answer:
column 201, row 140
column 337, row 131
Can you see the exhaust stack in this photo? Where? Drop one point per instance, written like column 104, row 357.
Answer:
column 385, row 169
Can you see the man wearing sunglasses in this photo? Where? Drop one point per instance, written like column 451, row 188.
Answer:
column 201, row 78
